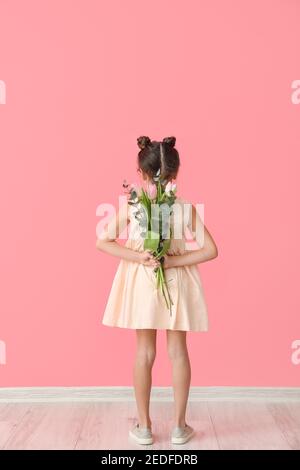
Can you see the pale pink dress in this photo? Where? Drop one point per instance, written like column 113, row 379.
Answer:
column 135, row 302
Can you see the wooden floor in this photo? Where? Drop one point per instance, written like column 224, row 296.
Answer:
column 218, row 425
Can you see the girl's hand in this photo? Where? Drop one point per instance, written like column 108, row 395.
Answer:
column 147, row 259
column 168, row 261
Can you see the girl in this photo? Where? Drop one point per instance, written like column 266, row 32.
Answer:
column 134, row 302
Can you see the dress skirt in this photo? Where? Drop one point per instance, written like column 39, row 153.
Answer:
column 135, row 302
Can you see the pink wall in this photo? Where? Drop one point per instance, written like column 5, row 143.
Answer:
column 83, row 80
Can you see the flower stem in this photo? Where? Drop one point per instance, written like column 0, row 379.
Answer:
column 164, row 288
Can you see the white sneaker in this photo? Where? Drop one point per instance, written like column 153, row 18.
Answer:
column 141, row 435
column 182, row 435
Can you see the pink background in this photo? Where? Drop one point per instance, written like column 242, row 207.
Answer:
column 84, row 79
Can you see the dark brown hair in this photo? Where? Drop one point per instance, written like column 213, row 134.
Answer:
column 155, row 155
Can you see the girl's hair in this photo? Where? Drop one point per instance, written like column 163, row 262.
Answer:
column 156, row 155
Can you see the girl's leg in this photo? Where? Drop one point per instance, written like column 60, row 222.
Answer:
column 145, row 355
column 181, row 371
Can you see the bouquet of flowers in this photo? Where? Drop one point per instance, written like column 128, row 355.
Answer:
column 153, row 209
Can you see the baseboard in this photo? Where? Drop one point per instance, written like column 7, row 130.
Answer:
column 111, row 394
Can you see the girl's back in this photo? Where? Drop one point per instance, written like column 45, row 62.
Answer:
column 134, row 300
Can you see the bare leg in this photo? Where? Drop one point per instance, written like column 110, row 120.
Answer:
column 145, row 355
column 181, row 372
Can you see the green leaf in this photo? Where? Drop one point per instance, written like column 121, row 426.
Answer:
column 158, row 279
column 146, row 200
column 159, row 192
column 151, row 241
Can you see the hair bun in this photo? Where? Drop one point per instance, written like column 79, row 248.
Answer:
column 170, row 141
column 143, row 142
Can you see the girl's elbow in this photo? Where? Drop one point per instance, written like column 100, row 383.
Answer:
column 214, row 252
column 99, row 244
column 211, row 251
column 102, row 243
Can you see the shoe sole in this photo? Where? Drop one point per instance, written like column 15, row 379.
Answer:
column 182, row 440
column 140, row 440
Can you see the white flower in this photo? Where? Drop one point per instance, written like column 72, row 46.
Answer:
column 170, row 187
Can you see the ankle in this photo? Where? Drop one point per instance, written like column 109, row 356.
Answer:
column 180, row 423
column 145, row 423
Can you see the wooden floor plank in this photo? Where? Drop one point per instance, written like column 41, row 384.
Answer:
column 49, row 426
column 246, row 425
column 11, row 415
column 105, row 427
column 287, row 417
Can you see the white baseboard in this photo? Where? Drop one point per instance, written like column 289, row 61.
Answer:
column 118, row 394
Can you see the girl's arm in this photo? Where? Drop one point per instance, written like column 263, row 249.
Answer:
column 106, row 240
column 207, row 252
